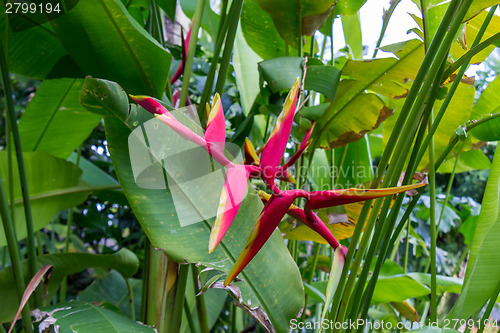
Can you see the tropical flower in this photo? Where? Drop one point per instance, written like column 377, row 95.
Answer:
column 267, row 167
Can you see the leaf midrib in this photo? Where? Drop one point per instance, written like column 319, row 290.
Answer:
column 129, row 48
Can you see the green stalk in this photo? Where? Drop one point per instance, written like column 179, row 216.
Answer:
column 450, row 183
column 178, row 304
column 407, row 246
column 406, row 134
column 455, row 84
column 30, row 230
column 432, row 195
column 385, row 225
column 490, row 306
column 10, row 236
column 200, row 302
column 228, row 47
column 371, row 285
column 460, row 261
column 198, row 13
column 190, row 321
column 209, row 83
column 311, row 278
column 130, row 299
column 69, row 222
column 472, row 52
column 467, row 127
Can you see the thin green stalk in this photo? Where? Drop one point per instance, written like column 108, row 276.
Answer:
column 407, row 246
column 69, row 222
column 371, row 285
column 15, row 258
column 472, row 52
column 198, row 13
column 340, row 163
column 145, row 281
column 487, row 312
column 179, row 296
column 130, row 299
column 450, row 184
column 39, row 245
column 311, row 278
column 209, row 83
column 467, row 127
column 406, row 134
column 460, row 261
column 455, row 84
column 200, row 302
column 432, row 195
column 8, row 143
column 385, row 225
column 228, row 47
column 30, row 230
column 5, row 251
column 386, row 17
column 395, row 248
column 189, row 317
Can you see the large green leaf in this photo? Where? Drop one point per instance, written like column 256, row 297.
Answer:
column 457, row 113
column 488, row 103
column 357, row 111
column 433, row 14
column 271, row 283
column 85, row 317
column 35, row 50
column 45, row 175
column 105, row 41
column 110, row 289
column 280, row 73
column 214, row 304
column 400, row 287
column 352, row 35
column 348, row 7
column 483, row 268
column 54, row 121
column 64, row 264
column 288, row 16
column 245, row 62
column 263, row 38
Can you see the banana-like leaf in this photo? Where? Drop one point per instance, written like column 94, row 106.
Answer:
column 53, row 183
column 110, row 289
column 273, row 296
column 78, row 316
column 488, row 103
column 124, row 261
column 355, row 111
column 99, row 39
column 280, row 73
column 434, row 11
column 245, row 62
column 262, row 38
column 54, row 113
column 483, row 268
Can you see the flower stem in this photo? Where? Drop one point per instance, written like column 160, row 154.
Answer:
column 22, row 171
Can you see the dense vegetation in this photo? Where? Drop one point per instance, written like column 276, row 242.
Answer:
column 108, row 209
